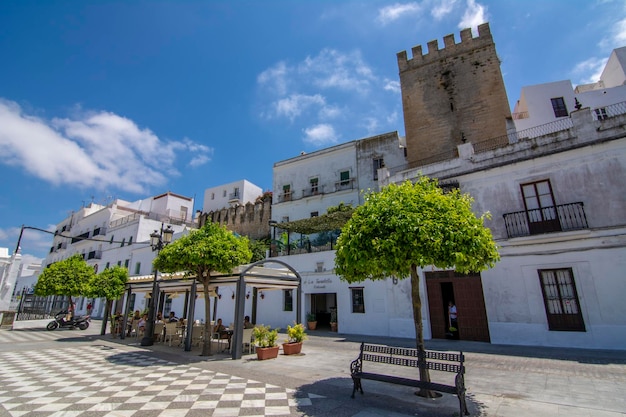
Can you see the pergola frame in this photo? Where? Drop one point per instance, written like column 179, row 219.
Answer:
column 255, row 275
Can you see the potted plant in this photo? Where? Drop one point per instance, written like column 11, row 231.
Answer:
column 333, row 319
column 295, row 336
column 265, row 342
column 311, row 321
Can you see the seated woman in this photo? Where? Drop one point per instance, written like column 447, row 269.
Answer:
column 220, row 332
column 141, row 326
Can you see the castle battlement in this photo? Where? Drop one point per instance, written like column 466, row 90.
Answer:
column 450, row 49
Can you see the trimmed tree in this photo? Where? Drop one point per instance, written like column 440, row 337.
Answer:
column 109, row 284
column 69, row 277
column 213, row 248
column 411, row 225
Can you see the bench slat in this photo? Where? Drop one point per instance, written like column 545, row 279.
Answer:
column 407, row 381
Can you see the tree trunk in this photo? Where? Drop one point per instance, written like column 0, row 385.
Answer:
column 419, row 331
column 208, row 331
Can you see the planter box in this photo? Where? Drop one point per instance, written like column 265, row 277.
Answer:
column 292, row 348
column 266, row 353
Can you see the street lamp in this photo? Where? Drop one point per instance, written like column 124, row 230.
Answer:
column 158, row 240
column 273, row 224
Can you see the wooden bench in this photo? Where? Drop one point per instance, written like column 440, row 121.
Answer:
column 408, row 357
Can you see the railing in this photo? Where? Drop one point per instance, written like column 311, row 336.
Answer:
column 313, row 190
column 80, row 237
column 612, row 110
column 234, row 196
column 520, row 115
column 288, row 196
column 560, row 218
column 99, row 231
column 516, row 136
column 344, row 184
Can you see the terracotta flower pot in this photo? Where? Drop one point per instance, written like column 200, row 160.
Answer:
column 311, row 325
column 267, row 353
column 292, row 348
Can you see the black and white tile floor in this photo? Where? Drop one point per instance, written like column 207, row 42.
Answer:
column 99, row 380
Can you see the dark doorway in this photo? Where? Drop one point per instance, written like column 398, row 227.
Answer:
column 321, row 305
column 467, row 293
column 447, row 295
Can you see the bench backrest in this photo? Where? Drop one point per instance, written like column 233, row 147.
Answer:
column 437, row 361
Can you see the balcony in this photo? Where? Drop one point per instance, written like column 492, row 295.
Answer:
column 313, row 190
column 347, row 184
column 99, row 231
column 286, row 196
column 80, row 237
column 560, row 218
column 94, row 254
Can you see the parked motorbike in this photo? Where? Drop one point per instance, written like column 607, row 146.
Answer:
column 60, row 321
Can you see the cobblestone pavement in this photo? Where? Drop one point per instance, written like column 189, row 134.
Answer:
column 74, row 373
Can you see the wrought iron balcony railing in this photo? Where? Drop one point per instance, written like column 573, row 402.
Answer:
column 560, row 218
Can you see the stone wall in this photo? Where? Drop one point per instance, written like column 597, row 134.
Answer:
column 451, row 96
column 251, row 220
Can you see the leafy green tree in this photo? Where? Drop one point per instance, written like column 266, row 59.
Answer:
column 258, row 248
column 69, row 277
column 410, row 225
column 109, row 284
column 213, row 248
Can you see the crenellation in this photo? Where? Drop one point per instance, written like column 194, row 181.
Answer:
column 450, row 49
column 433, row 46
column 484, row 30
column 466, row 35
column 448, row 41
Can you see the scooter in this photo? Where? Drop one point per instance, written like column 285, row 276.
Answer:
column 82, row 322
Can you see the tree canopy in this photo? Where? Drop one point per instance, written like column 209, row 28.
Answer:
column 109, row 284
column 212, row 248
column 413, row 224
column 410, row 225
column 69, row 277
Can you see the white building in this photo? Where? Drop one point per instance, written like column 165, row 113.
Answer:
column 235, row 193
column 542, row 104
column 119, row 234
column 305, row 186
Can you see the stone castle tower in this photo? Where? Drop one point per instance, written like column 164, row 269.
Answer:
column 451, row 96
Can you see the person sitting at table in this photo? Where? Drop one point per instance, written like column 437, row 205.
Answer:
column 134, row 319
column 159, row 317
column 246, row 323
column 220, row 332
column 141, row 326
column 172, row 318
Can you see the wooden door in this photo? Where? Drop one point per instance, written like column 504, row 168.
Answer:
column 469, row 300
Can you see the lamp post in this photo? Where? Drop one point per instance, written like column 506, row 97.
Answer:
column 272, row 224
column 158, row 240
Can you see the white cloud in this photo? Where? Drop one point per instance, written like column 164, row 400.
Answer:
column 275, row 78
column 93, row 149
column 320, row 135
column 396, row 11
column 332, row 69
column 442, row 9
column 294, row 105
column 392, row 85
column 589, row 71
column 474, row 15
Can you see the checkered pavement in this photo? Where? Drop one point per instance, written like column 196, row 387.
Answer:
column 99, row 380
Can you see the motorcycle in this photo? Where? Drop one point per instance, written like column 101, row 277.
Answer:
column 82, row 322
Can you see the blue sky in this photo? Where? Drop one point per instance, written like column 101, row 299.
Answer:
column 128, row 99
